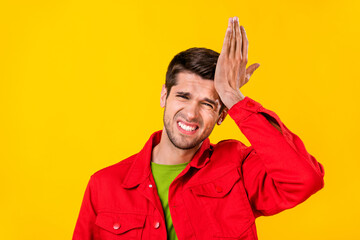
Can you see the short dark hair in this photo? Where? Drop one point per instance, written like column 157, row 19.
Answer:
column 201, row 61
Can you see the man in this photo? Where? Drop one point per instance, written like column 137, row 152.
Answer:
column 181, row 186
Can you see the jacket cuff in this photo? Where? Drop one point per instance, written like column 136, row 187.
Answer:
column 244, row 108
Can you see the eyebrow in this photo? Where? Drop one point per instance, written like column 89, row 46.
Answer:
column 205, row 99
column 183, row 93
column 210, row 101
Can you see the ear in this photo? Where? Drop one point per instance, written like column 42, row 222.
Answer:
column 163, row 96
column 222, row 116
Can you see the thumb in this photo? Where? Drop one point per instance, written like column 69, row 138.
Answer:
column 250, row 70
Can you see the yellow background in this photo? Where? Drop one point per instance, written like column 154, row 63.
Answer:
column 80, row 84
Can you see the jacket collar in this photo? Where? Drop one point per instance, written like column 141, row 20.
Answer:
column 141, row 169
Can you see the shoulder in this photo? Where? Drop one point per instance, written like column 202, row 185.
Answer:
column 232, row 149
column 115, row 172
column 231, row 145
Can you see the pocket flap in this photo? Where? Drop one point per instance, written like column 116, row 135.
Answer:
column 118, row 223
column 219, row 187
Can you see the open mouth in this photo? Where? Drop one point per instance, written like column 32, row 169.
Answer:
column 187, row 128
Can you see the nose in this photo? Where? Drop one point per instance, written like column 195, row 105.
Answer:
column 192, row 112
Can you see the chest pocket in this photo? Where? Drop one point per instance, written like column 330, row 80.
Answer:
column 219, row 187
column 119, row 225
column 225, row 202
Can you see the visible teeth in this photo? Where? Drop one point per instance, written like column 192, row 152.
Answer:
column 186, row 128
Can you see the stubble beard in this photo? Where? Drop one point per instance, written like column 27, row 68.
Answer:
column 178, row 143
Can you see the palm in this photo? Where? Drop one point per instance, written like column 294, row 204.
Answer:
column 231, row 72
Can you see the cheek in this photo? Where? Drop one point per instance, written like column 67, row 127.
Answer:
column 171, row 111
column 210, row 119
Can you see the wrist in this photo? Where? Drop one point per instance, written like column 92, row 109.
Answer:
column 230, row 98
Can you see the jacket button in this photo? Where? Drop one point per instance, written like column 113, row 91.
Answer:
column 156, row 224
column 150, row 185
column 116, row 226
column 250, row 104
column 218, row 189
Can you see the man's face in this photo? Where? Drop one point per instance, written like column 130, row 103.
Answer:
column 191, row 110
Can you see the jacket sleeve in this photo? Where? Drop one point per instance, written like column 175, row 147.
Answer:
column 277, row 170
column 86, row 219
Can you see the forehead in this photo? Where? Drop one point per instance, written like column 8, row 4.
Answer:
column 194, row 84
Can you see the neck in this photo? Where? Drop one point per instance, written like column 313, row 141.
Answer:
column 165, row 148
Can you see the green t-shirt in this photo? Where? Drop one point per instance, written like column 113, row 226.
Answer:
column 163, row 176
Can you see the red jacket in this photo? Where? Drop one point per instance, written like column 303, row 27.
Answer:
column 217, row 196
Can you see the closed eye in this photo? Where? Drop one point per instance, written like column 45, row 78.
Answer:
column 209, row 105
column 183, row 96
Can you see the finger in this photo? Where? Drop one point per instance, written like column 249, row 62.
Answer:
column 245, row 44
column 235, row 38
column 232, row 41
column 226, row 44
column 238, row 50
column 250, row 70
